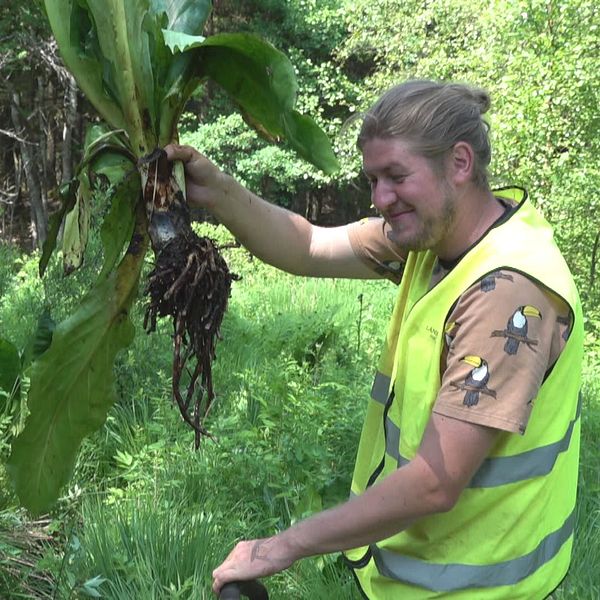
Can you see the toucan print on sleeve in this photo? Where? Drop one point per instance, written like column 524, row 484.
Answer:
column 476, row 381
column 488, row 283
column 516, row 329
column 484, row 378
column 450, row 331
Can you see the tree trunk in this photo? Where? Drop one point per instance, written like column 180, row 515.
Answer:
column 18, row 186
column 70, row 121
column 44, row 133
column 51, row 159
column 312, row 211
column 39, row 217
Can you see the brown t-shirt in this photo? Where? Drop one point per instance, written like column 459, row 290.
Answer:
column 502, row 337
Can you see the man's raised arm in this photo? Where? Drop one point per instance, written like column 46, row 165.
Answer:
column 277, row 236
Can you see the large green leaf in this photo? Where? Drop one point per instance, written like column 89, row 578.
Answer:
column 105, row 44
column 73, row 29
column 126, row 40
column 262, row 81
column 99, row 139
column 72, row 384
column 309, row 141
column 118, row 224
column 68, row 197
column 187, row 16
column 40, row 340
column 106, row 162
column 178, row 41
column 115, row 50
column 113, row 173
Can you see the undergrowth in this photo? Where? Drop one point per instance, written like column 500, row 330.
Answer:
column 147, row 518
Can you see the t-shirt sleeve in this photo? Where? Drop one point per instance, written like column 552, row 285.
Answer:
column 502, row 339
column 371, row 244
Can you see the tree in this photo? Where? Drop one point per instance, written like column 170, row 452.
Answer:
column 39, row 104
column 538, row 60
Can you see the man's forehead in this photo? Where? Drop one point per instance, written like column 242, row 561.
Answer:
column 389, row 161
column 388, row 152
column 391, row 166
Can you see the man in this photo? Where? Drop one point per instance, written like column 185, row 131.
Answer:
column 465, row 479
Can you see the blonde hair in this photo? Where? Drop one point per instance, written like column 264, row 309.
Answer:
column 432, row 117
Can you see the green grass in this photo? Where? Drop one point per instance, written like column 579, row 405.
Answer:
column 583, row 581
column 147, row 518
column 145, row 548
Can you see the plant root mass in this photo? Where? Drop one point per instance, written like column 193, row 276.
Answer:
column 191, row 283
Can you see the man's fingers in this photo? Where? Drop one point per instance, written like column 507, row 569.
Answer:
column 220, row 578
column 182, row 153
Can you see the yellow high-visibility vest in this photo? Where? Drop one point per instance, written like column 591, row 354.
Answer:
column 510, row 534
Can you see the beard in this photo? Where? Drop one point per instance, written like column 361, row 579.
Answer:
column 433, row 229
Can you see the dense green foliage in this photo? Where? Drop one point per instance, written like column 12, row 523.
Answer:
column 537, row 58
column 146, row 517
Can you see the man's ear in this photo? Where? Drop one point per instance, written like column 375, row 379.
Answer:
column 461, row 163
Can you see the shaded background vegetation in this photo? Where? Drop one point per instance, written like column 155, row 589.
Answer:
column 293, row 368
column 538, row 58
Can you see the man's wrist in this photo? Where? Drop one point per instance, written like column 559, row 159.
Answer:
column 292, row 543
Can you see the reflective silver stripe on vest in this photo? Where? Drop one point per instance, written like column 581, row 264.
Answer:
column 533, row 463
column 381, row 388
column 450, row 577
column 502, row 469
column 392, row 442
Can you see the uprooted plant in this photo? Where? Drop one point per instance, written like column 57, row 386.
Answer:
column 138, row 62
column 190, row 282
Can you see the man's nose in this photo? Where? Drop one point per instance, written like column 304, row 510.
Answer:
column 382, row 195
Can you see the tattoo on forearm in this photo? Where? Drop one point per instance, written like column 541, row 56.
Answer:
column 256, row 553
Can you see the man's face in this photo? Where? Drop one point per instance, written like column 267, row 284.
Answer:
column 417, row 203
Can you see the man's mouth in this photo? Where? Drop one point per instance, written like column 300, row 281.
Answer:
column 399, row 214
